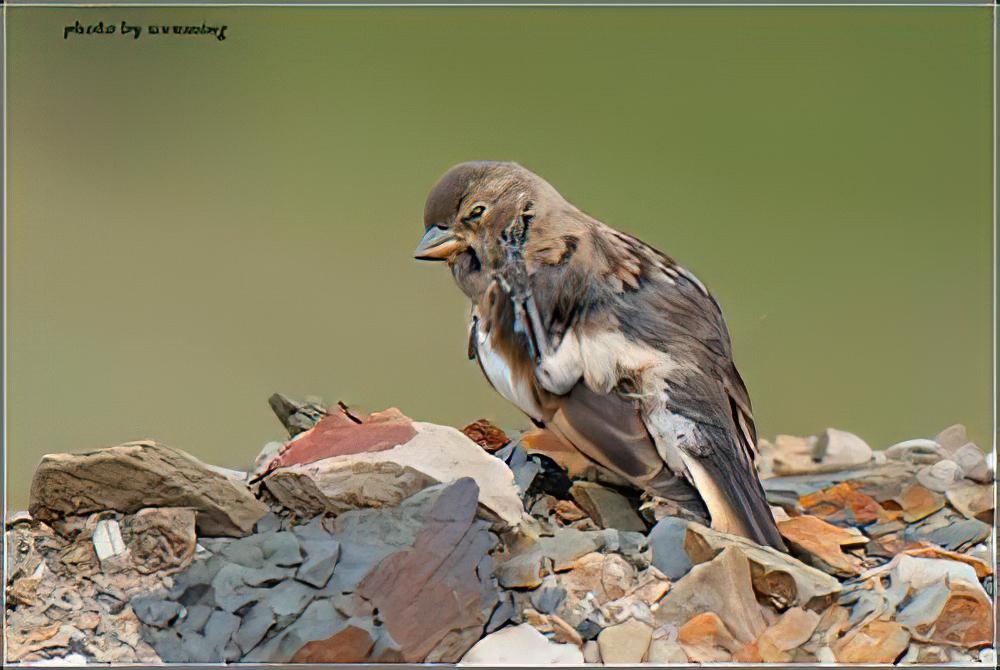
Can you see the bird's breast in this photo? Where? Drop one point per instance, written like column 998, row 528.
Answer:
column 503, row 373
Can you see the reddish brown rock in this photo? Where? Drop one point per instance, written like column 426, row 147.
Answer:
column 706, row 639
column 486, row 435
column 843, row 504
column 877, row 642
column 431, row 597
column 956, row 613
column 341, row 433
column 350, row 645
column 823, row 543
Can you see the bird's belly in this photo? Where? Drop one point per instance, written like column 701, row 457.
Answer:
column 498, row 371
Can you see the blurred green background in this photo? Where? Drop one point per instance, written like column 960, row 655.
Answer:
column 194, row 224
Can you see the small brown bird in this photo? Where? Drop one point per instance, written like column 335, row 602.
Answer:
column 601, row 339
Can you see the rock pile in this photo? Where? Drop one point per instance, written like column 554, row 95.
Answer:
column 377, row 538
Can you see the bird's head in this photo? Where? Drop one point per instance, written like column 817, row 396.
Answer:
column 468, row 209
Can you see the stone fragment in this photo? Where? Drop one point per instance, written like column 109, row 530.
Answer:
column 920, row 451
column 297, row 417
column 131, row 476
column 721, row 586
column 280, row 548
column 952, row 438
column 783, row 580
column 568, row 512
column 525, row 469
column 843, row 503
column 594, row 580
column 486, row 435
column 608, row 508
column 823, row 543
column 916, row 502
column 830, row 451
column 972, row 462
column 975, row 501
column 524, row 568
column 437, row 454
column 982, row 567
column 320, row 562
column 319, row 621
column 953, row 614
column 109, row 546
column 877, row 642
column 706, row 639
column 625, row 643
column 433, row 593
column 952, row 534
column 521, row 645
column 790, row 631
column 666, row 541
column 940, row 476
column 154, row 611
column 161, row 538
column 547, row 597
column 666, row 652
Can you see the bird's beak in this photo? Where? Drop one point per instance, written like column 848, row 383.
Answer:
column 436, row 245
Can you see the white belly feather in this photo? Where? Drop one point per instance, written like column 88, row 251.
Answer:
column 498, row 372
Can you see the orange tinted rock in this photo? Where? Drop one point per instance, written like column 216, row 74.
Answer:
column 876, row 642
column 341, row 434
column 843, row 503
column 953, row 614
column 748, row 654
column 486, row 435
column 350, row 645
column 917, row 502
column 706, row 639
column 567, row 511
column 824, row 543
column 789, row 632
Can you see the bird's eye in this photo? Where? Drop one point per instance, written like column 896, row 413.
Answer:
column 474, row 214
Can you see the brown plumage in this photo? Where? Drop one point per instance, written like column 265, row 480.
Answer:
column 602, row 339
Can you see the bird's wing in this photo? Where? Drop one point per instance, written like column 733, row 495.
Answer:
column 641, row 326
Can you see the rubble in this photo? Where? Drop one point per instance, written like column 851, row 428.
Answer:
column 369, row 538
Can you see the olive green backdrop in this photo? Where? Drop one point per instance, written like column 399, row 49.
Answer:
column 194, row 224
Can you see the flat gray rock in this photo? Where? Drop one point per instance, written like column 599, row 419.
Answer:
column 666, row 541
column 320, row 562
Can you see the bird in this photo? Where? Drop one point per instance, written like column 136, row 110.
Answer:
column 601, row 339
